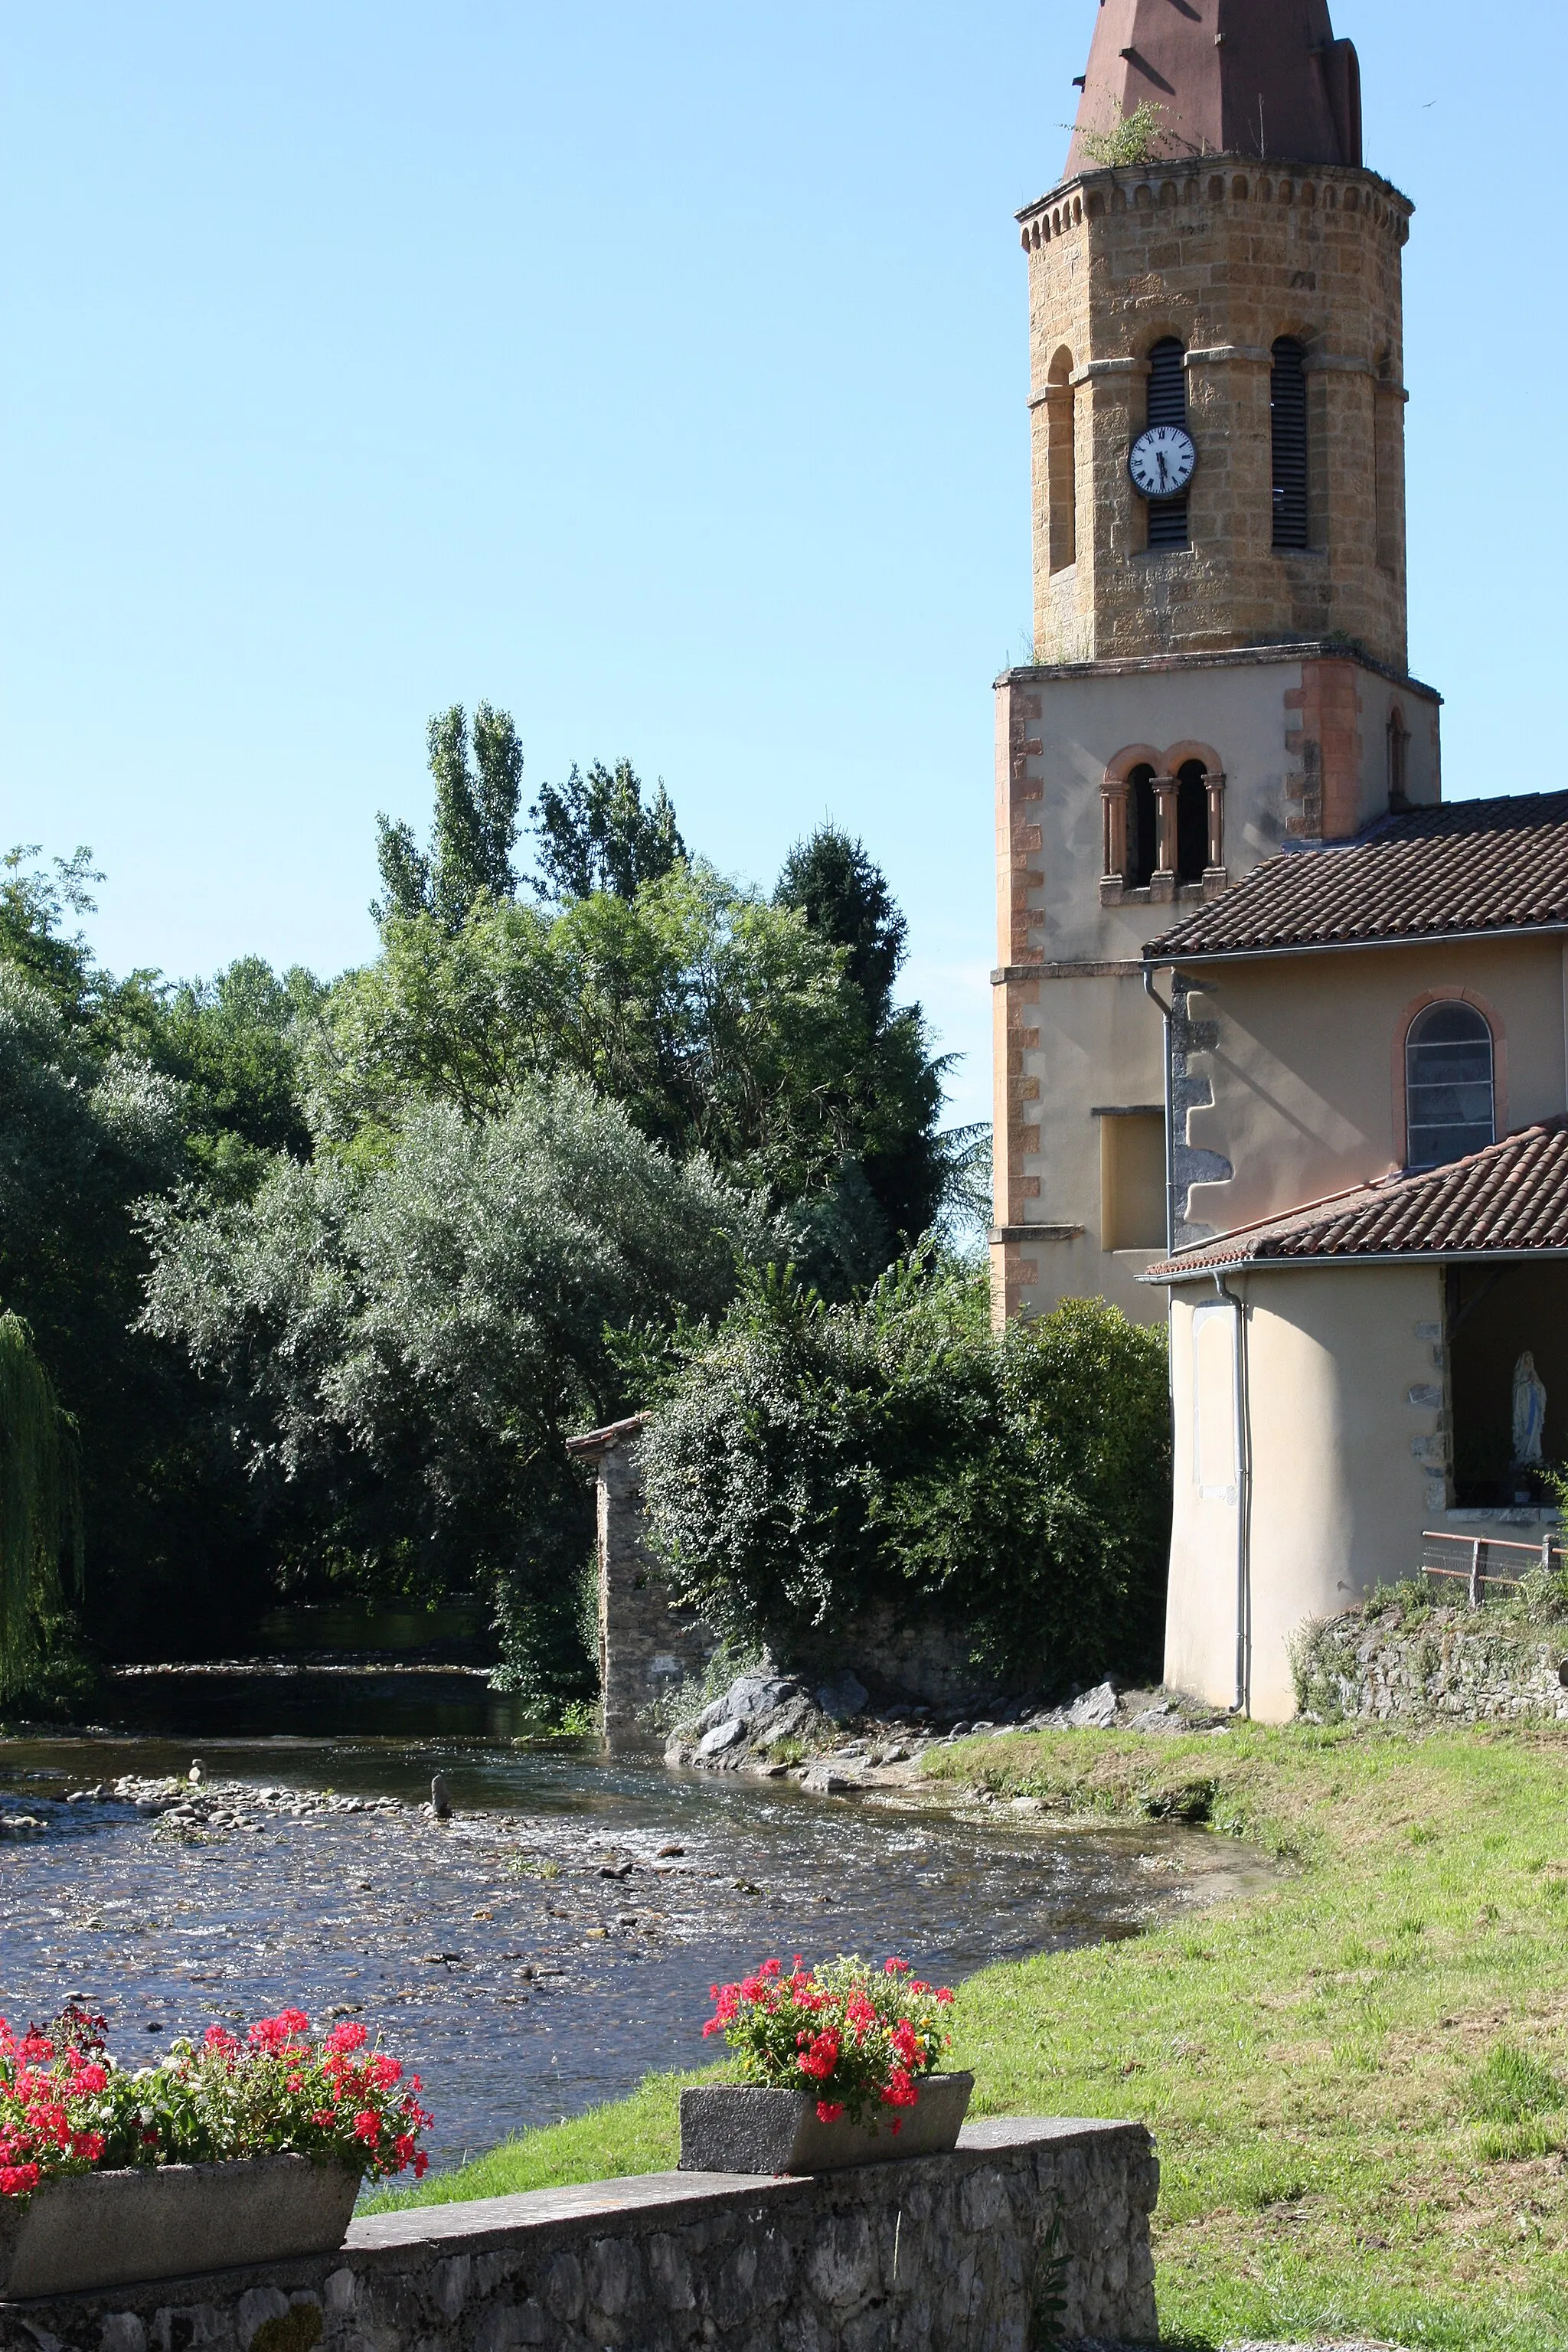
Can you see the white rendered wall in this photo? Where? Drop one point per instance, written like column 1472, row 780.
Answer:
column 1339, row 1456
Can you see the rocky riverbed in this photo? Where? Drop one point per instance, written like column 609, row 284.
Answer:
column 549, row 1945
column 832, row 1740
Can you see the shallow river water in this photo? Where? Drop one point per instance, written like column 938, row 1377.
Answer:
column 503, row 1962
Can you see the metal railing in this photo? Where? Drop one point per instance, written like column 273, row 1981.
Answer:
column 1469, row 1559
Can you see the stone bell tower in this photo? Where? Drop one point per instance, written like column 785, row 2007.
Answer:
column 1218, row 669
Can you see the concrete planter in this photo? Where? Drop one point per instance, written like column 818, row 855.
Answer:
column 112, row 2229
column 738, row 2128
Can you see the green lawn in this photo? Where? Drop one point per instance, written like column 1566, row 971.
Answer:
column 1355, row 2078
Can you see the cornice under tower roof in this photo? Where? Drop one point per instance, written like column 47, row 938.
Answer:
column 1261, row 78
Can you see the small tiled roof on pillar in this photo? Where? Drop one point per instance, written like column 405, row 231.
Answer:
column 1463, row 868
column 1509, row 1201
column 594, row 1441
column 1263, row 78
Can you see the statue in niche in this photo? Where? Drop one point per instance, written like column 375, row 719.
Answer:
column 1529, row 1414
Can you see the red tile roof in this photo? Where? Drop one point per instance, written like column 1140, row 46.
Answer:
column 1509, row 1200
column 1467, row 866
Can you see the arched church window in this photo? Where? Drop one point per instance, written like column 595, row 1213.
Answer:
column 1449, row 1095
column 1192, row 821
column 1168, row 406
column 1142, row 827
column 1288, row 420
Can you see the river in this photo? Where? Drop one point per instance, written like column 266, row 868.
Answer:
column 501, row 1960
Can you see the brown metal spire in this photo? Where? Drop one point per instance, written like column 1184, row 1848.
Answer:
column 1263, row 78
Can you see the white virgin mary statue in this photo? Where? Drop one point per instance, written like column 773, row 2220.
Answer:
column 1528, row 1412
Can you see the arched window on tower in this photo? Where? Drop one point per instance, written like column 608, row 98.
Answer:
column 1168, row 406
column 1449, row 1093
column 1192, row 821
column 1142, row 828
column 1288, row 419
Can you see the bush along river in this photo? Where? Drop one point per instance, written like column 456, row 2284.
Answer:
column 547, row 1946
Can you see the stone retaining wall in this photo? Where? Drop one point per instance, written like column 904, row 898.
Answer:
column 938, row 2254
column 1455, row 1665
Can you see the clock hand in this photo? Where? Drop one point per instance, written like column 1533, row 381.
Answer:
column 1159, row 461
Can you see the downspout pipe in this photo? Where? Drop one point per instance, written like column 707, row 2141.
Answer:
column 1240, row 1406
column 1167, row 1014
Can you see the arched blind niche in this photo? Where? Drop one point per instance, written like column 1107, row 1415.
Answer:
column 1288, row 419
column 1168, row 406
column 1449, row 1091
column 1061, row 464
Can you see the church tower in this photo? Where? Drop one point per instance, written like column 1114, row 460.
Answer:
column 1216, row 404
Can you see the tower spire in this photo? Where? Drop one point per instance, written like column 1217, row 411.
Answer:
column 1261, row 78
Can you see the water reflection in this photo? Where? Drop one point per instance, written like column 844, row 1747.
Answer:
column 539, row 1954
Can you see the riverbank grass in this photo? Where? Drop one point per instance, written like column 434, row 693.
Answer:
column 1358, row 2078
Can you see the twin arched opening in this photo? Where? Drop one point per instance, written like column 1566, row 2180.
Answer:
column 1164, row 826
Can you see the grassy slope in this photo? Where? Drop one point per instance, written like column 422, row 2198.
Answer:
column 1308, row 2058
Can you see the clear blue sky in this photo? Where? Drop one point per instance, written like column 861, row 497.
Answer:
column 657, row 373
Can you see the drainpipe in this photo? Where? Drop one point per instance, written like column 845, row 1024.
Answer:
column 1240, row 1405
column 1167, row 1013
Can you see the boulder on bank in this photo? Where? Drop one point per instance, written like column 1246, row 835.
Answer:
column 744, row 1727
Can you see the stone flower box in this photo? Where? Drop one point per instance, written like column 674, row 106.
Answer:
column 114, row 2229
column 741, row 2127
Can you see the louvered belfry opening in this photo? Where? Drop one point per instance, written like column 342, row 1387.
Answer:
column 1168, row 406
column 1288, row 417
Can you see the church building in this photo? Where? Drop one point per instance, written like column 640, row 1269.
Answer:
column 1281, row 1037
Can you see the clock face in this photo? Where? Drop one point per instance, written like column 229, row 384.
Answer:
column 1161, row 461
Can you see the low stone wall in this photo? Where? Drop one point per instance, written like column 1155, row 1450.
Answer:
column 1459, row 1664
column 930, row 2254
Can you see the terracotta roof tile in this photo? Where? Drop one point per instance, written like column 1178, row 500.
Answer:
column 1469, row 866
column 1511, row 1198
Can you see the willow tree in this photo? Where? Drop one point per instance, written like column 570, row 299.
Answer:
column 40, row 1502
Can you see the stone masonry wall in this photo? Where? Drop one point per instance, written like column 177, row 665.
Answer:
column 646, row 1647
column 1459, row 1666
column 1227, row 254
column 943, row 2254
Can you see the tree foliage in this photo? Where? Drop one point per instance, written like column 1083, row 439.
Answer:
column 890, row 1188
column 723, row 1022
column 806, row 1460
column 34, row 903
column 40, row 1502
column 381, row 1229
column 111, row 1092
column 594, row 834
column 402, row 1345
column 473, row 829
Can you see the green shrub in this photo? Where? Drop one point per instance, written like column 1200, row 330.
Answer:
column 807, row 1460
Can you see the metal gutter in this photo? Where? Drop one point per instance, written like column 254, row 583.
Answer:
column 1168, row 1016
column 1241, row 1407
column 1348, row 1257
